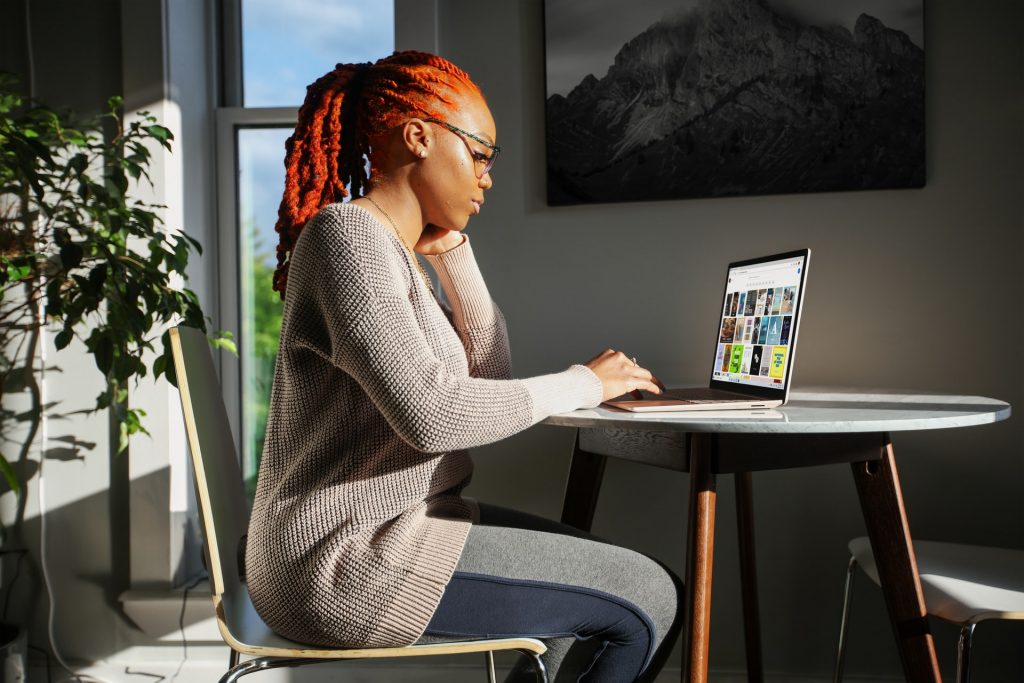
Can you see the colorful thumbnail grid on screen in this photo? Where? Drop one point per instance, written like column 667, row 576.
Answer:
column 754, row 339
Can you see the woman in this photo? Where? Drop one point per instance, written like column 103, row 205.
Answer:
column 359, row 536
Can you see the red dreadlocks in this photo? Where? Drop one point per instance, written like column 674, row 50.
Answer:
column 344, row 111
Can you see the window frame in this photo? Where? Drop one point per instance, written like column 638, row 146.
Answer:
column 231, row 120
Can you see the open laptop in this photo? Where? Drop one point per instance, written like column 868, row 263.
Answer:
column 755, row 341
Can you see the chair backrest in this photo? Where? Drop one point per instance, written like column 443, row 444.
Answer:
column 218, row 476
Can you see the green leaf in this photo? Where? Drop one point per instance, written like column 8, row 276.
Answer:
column 122, row 368
column 76, row 138
column 104, row 353
column 71, row 255
column 18, row 272
column 159, row 366
column 104, row 400
column 160, row 133
column 98, row 275
column 8, row 472
column 54, row 302
column 195, row 243
column 63, row 338
column 224, row 340
column 170, row 371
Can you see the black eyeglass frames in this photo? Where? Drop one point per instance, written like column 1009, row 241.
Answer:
column 481, row 159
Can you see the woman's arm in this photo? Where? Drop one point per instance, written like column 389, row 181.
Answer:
column 373, row 335
column 476, row 318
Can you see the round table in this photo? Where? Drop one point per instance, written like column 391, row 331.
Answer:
column 815, row 427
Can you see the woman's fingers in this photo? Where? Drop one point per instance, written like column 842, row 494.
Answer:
column 638, row 378
column 621, row 374
column 643, row 384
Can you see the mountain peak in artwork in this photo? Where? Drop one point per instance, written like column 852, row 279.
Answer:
column 735, row 98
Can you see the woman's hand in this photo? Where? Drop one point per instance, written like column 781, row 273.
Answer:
column 437, row 240
column 620, row 375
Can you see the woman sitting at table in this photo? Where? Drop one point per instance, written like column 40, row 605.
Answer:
column 359, row 535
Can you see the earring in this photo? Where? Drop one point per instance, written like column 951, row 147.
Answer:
column 423, row 154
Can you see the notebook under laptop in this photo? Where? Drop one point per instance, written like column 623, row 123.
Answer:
column 755, row 341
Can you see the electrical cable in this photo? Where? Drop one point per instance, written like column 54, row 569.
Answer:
column 158, row 677
column 181, row 626
column 52, row 606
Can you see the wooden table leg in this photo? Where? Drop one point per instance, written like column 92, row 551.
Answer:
column 700, row 553
column 881, row 501
column 748, row 576
column 584, row 483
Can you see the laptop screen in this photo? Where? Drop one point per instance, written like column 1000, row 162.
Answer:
column 757, row 330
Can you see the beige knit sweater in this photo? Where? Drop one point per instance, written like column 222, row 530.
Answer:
column 358, row 520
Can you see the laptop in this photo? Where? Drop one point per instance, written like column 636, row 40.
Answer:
column 755, row 341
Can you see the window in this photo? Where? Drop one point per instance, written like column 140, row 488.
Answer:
column 288, row 45
column 284, row 46
column 260, row 175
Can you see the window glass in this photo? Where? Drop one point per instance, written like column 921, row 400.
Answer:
column 260, row 185
column 287, row 44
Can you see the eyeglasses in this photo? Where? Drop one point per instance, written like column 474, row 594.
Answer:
column 484, row 162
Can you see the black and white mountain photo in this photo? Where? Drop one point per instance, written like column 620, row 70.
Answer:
column 666, row 99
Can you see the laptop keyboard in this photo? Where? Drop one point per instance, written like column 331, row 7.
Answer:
column 698, row 396
column 698, row 401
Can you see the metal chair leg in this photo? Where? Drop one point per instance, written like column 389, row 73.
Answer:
column 963, row 653
column 851, row 569
column 263, row 663
column 491, row 677
column 233, row 659
column 538, row 665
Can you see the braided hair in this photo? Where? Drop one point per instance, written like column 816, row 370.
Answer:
column 345, row 110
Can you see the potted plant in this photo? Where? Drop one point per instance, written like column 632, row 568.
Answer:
column 78, row 254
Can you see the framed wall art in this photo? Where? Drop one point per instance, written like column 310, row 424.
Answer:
column 665, row 99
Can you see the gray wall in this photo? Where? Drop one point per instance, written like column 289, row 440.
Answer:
column 908, row 289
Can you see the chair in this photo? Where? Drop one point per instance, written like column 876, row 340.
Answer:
column 963, row 584
column 222, row 506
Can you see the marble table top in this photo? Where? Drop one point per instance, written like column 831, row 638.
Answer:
column 810, row 411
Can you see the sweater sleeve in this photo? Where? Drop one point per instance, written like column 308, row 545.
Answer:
column 476, row 318
column 374, row 336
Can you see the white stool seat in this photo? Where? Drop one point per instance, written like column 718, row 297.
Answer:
column 962, row 583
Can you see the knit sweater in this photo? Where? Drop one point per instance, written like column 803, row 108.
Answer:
column 379, row 390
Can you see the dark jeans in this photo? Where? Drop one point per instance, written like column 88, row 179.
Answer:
column 605, row 612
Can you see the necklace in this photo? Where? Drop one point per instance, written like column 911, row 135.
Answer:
column 412, row 254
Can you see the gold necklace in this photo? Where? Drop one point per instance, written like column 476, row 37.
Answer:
column 412, row 254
